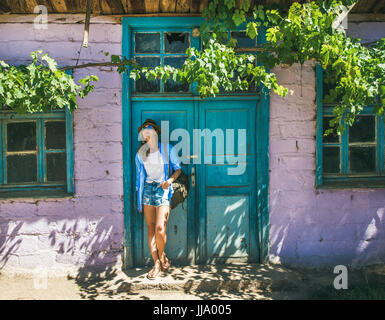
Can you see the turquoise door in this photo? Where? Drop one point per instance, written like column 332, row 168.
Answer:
column 225, row 217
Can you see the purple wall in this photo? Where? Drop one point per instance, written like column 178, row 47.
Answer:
column 65, row 235
column 312, row 227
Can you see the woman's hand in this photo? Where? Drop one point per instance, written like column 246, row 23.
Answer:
column 166, row 184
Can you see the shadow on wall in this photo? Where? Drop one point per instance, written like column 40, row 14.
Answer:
column 327, row 228
column 9, row 243
column 52, row 235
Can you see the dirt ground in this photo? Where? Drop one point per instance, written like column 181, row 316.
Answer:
column 199, row 283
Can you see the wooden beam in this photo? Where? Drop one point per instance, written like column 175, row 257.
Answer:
column 195, row 6
column 48, row 5
column 378, row 7
column 56, row 18
column 14, row 6
column 116, row 6
column 74, row 6
column 137, row 6
column 151, row 6
column 96, row 7
column 104, row 7
column 167, row 5
column 127, row 5
column 28, row 6
column 366, row 17
column 59, row 6
column 182, row 6
column 4, row 7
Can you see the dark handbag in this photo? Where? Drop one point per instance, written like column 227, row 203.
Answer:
column 181, row 186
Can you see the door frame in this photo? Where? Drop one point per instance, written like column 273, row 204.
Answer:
column 262, row 138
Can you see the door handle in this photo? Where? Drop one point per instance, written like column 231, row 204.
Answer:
column 193, row 176
column 193, row 156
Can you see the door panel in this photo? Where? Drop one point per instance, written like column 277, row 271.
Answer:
column 179, row 114
column 229, row 238
column 227, row 191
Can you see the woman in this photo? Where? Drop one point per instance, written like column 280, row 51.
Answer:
column 154, row 189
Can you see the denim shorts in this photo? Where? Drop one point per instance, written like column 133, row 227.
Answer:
column 154, row 195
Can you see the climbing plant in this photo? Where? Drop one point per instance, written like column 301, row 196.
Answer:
column 40, row 86
column 355, row 74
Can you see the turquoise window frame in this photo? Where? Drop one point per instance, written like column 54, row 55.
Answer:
column 40, row 188
column 175, row 24
column 345, row 179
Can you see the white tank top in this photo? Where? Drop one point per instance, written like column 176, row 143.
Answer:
column 154, row 167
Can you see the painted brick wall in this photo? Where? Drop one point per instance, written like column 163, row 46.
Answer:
column 312, row 227
column 307, row 226
column 65, row 235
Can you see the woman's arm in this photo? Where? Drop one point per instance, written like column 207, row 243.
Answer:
column 175, row 164
column 174, row 176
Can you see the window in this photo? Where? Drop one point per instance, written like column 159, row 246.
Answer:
column 168, row 47
column 153, row 49
column 354, row 159
column 36, row 154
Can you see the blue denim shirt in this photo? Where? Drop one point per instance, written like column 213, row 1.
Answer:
column 141, row 171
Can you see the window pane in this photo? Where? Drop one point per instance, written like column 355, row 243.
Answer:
column 55, row 135
column 176, row 42
column 243, row 41
column 363, row 129
column 56, row 167
column 362, row 159
column 142, row 85
column 332, row 137
column 21, row 168
column 147, row 42
column 331, row 159
column 171, row 85
column 21, row 136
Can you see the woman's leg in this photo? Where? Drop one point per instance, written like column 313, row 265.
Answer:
column 162, row 213
column 150, row 215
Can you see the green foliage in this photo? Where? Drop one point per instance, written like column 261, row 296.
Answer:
column 305, row 32
column 40, row 86
column 355, row 74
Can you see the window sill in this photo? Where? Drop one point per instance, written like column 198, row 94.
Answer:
column 354, row 184
column 35, row 195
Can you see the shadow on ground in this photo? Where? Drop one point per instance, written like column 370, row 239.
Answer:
column 230, row 281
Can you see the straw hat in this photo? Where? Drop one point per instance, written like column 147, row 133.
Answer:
column 151, row 122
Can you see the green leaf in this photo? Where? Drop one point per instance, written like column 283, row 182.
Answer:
column 252, row 30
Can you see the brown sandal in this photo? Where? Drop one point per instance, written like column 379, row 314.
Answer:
column 155, row 271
